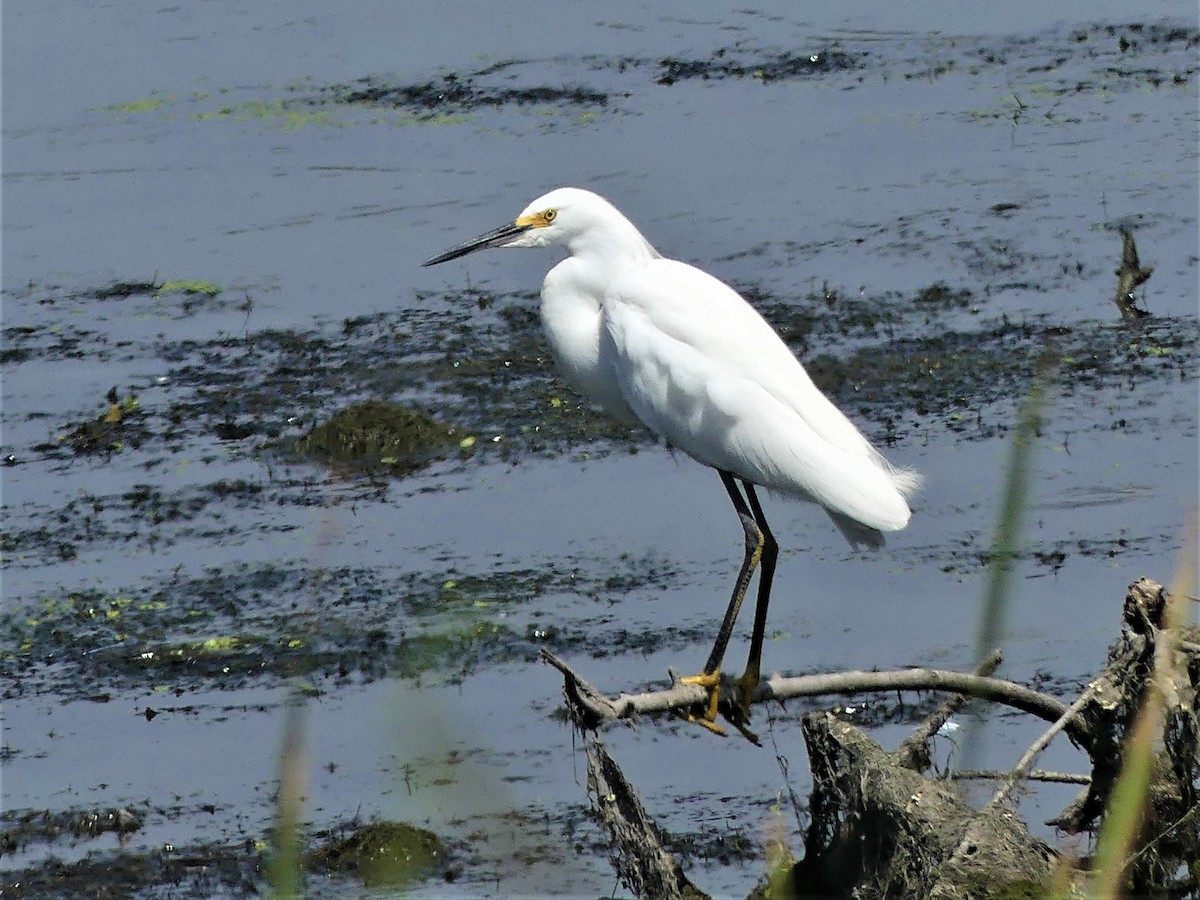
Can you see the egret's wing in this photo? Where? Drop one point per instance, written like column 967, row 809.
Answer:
column 701, row 367
column 692, row 309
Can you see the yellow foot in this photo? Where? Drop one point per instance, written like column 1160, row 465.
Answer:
column 711, row 682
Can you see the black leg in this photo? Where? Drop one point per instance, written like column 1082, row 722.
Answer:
column 770, row 555
column 754, row 552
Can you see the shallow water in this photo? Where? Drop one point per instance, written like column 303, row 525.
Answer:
column 832, row 169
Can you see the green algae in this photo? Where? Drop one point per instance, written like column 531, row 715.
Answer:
column 156, row 100
column 187, row 286
column 280, row 112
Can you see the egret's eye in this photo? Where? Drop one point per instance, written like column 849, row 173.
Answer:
column 548, row 215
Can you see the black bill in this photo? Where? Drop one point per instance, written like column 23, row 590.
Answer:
column 497, row 238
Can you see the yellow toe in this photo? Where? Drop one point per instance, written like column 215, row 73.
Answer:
column 711, row 682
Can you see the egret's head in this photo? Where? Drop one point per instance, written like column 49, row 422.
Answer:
column 558, row 217
column 562, row 214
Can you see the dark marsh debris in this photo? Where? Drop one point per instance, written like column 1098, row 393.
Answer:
column 904, row 364
column 1065, row 62
column 453, row 93
column 123, row 423
column 44, row 826
column 198, row 870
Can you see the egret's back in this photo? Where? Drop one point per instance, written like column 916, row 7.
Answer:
column 699, row 366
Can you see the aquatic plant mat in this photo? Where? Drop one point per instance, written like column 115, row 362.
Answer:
column 882, row 824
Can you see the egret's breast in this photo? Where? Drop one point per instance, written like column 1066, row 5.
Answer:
column 572, row 320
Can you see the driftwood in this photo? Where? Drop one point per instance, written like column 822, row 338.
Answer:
column 880, row 827
column 891, row 832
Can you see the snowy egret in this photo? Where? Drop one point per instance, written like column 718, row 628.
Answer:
column 659, row 342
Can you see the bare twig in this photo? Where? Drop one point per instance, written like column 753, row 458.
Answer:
column 1130, row 276
column 967, row 845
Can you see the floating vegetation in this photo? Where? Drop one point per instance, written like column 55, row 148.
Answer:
column 225, row 629
column 204, row 288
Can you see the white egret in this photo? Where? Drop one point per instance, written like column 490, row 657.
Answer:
column 659, row 342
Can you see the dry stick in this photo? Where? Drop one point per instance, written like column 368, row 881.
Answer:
column 582, row 695
column 1039, row 745
column 681, row 696
column 1031, row 775
column 1130, row 276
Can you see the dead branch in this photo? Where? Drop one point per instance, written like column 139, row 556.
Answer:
column 597, row 708
column 1021, row 769
column 878, row 827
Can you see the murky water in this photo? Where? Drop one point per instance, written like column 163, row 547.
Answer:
column 165, row 591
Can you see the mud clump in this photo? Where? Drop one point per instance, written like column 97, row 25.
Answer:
column 939, row 295
column 383, row 853
column 378, row 436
